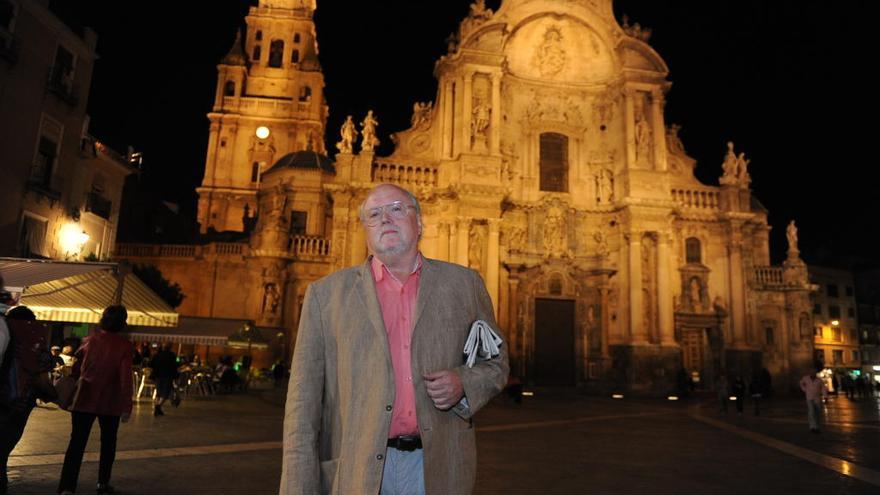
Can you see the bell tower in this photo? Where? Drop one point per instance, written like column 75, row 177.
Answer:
column 269, row 102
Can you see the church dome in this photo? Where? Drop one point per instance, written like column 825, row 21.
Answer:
column 305, row 160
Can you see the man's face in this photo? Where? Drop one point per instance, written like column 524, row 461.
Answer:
column 392, row 237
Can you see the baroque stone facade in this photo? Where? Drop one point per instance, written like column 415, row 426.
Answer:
column 545, row 164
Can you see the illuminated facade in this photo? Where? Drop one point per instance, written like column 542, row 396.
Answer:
column 61, row 188
column 835, row 317
column 544, row 163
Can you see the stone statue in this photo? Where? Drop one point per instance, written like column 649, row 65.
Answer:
column 643, row 139
column 730, row 167
column 368, row 130
column 554, row 232
column 604, row 186
column 477, row 15
column 601, row 243
column 421, row 113
column 742, row 170
column 349, row 135
column 480, row 119
column 695, row 295
column 636, row 30
column 271, row 298
column 673, row 141
column 791, row 235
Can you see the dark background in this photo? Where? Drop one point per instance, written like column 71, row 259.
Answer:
column 786, row 80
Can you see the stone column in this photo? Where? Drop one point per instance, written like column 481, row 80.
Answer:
column 464, row 229
column 452, row 249
column 658, row 130
column 492, row 261
column 495, row 144
column 605, row 321
column 737, row 288
column 466, row 109
column 664, row 292
column 630, row 122
column 443, row 242
column 448, row 106
column 638, row 332
column 512, row 323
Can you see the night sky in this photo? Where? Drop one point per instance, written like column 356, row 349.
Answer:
column 784, row 79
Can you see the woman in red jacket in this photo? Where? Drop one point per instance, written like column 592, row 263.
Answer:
column 103, row 363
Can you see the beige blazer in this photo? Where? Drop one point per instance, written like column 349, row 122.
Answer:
column 338, row 409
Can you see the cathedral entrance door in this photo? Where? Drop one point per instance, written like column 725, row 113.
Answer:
column 554, row 342
column 692, row 350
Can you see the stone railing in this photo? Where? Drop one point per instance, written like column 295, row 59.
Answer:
column 309, row 245
column 769, row 276
column 178, row 250
column 411, row 175
column 263, row 106
column 701, row 199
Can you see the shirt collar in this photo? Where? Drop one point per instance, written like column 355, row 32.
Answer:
column 380, row 269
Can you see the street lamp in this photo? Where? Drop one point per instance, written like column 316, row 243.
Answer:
column 262, row 132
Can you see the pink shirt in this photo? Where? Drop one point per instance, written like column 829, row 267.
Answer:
column 398, row 303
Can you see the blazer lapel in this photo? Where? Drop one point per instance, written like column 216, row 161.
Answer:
column 366, row 289
column 427, row 283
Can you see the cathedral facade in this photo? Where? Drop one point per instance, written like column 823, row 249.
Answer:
column 544, row 163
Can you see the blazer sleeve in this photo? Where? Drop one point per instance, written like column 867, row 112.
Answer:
column 300, row 470
column 487, row 378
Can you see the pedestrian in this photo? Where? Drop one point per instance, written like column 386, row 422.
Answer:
column 723, row 392
column 815, row 391
column 164, row 366
column 104, row 366
column 835, row 384
column 756, row 392
column 24, row 378
column 739, row 391
column 67, row 355
column 379, row 400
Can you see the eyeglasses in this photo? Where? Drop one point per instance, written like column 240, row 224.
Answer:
column 396, row 210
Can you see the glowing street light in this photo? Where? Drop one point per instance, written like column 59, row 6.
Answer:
column 262, row 132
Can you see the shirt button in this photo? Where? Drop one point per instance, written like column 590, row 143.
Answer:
column 380, row 457
column 388, row 408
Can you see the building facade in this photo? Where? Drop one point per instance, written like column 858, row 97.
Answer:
column 61, row 187
column 836, row 324
column 868, row 299
column 544, row 163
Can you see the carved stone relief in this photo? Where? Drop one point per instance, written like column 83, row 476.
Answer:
column 550, row 57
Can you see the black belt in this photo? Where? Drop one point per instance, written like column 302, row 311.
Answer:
column 406, row 443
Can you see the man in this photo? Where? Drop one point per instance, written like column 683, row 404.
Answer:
column 379, row 400
column 815, row 390
column 164, row 366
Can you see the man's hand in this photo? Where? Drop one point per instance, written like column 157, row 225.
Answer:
column 444, row 388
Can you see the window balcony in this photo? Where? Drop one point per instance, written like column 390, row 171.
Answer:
column 98, row 205
column 60, row 82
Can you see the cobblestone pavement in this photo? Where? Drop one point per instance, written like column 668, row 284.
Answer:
column 556, row 441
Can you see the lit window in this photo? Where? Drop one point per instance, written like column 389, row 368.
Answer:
column 554, row 162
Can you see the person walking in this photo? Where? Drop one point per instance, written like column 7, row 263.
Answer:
column 815, row 391
column 164, row 366
column 723, row 392
column 103, row 363
column 24, row 378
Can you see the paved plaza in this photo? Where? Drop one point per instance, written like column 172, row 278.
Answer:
column 556, row 441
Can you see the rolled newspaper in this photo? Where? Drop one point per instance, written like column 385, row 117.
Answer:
column 482, row 342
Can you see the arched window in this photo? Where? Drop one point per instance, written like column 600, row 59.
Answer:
column 257, row 53
column 294, row 56
column 259, row 36
column 276, row 53
column 692, row 250
column 554, row 162
column 229, row 88
column 296, row 37
column 305, row 93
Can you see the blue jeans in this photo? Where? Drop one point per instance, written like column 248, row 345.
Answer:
column 404, row 472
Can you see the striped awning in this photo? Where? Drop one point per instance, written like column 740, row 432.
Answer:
column 161, row 338
column 20, row 273
column 82, row 298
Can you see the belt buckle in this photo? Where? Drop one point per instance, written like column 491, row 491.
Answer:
column 407, row 443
